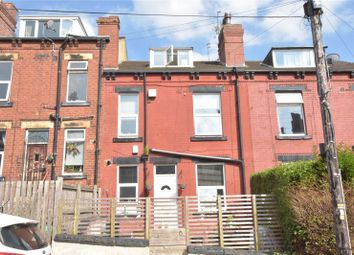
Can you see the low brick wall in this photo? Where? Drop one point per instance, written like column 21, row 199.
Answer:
column 93, row 245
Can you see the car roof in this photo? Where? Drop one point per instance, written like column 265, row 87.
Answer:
column 8, row 220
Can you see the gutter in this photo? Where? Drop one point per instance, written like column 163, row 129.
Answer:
column 98, row 114
column 239, row 131
column 145, row 152
column 196, row 156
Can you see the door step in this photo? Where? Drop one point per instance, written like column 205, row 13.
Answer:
column 168, row 237
column 168, row 250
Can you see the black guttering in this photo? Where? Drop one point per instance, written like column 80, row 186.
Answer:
column 98, row 113
column 239, row 131
column 39, row 39
column 145, row 156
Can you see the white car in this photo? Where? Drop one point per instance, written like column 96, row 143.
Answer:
column 19, row 236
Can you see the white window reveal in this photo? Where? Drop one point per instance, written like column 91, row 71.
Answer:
column 290, row 114
column 2, row 149
column 128, row 115
column 210, row 184
column 77, row 82
column 207, row 114
column 5, row 80
column 74, row 151
column 294, row 58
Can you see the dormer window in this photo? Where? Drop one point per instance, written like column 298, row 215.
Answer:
column 171, row 57
column 293, row 58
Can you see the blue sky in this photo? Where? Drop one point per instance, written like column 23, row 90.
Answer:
column 143, row 33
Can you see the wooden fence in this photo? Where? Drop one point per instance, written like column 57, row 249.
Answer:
column 40, row 200
column 247, row 222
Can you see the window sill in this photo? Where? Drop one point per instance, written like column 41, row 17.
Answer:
column 208, row 138
column 6, row 104
column 293, row 137
column 74, row 177
column 75, row 104
column 127, row 139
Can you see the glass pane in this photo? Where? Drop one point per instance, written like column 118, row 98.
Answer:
column 128, row 126
column 2, row 140
column 129, row 104
column 210, row 175
column 77, row 65
column 292, row 58
column 67, row 27
column 171, row 169
column 208, row 125
column 48, row 28
column 183, row 58
column 127, row 192
column 159, row 58
column 77, row 87
column 3, row 90
column 30, row 27
column 291, row 119
column 34, row 137
column 74, row 154
column 75, row 134
column 128, row 174
column 207, row 103
column 5, row 71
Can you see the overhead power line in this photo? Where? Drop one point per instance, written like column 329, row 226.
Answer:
column 157, row 14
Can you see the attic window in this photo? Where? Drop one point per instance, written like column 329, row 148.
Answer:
column 171, row 57
column 56, row 27
column 293, row 58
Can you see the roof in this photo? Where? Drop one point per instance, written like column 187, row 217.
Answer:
column 8, row 220
column 216, row 66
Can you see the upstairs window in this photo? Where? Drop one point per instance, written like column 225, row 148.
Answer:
column 48, row 28
column 5, row 79
column 290, row 114
column 293, row 58
column 77, row 81
column 128, row 115
column 74, row 151
column 207, row 114
column 171, row 57
column 57, row 27
column 30, row 28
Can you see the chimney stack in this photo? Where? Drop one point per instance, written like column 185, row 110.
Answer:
column 109, row 26
column 231, row 50
column 8, row 19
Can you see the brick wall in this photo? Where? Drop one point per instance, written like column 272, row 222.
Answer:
column 8, row 14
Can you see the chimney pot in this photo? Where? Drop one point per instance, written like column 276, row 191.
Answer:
column 227, row 18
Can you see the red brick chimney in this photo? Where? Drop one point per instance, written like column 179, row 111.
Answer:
column 231, row 51
column 109, row 26
column 8, row 13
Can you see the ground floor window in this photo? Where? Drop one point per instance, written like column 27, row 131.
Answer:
column 2, row 148
column 127, row 182
column 74, row 151
column 210, row 184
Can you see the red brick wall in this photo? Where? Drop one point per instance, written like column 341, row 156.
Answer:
column 8, row 14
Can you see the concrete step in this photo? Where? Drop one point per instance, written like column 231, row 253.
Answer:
column 168, row 250
column 168, row 236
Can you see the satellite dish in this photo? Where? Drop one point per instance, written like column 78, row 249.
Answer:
column 50, row 25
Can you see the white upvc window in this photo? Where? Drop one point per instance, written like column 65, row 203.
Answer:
column 2, row 149
column 293, row 58
column 5, row 80
column 207, row 114
column 128, row 119
column 46, row 27
column 77, row 82
column 127, row 181
column 210, row 184
column 185, row 58
column 74, row 151
column 66, row 27
column 290, row 114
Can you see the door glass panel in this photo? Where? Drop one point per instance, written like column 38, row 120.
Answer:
column 165, row 169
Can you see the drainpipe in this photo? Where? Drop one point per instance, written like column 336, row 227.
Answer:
column 98, row 116
column 57, row 117
column 145, row 153
column 239, row 132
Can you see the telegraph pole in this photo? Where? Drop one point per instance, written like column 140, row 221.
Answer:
column 313, row 11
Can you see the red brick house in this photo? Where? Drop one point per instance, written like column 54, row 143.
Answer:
column 50, row 80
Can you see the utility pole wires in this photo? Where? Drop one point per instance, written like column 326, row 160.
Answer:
column 313, row 11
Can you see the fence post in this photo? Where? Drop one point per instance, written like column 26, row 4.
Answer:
column 221, row 229
column 113, row 217
column 186, row 221
column 57, row 211
column 60, row 215
column 147, row 218
column 255, row 222
column 76, row 210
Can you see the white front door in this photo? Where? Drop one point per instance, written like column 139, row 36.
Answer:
column 165, row 209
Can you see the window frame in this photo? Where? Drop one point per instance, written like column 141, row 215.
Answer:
column 2, row 153
column 201, row 208
column 299, row 104
column 64, row 150
column 136, row 185
column 9, row 82
column 275, row 63
column 120, row 135
column 190, row 58
column 62, row 24
column 71, row 70
column 36, row 27
column 195, row 115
